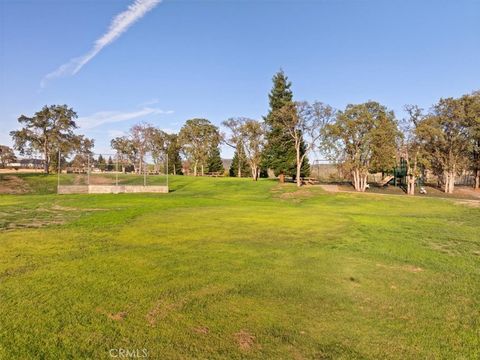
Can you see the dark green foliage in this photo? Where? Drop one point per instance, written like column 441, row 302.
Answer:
column 110, row 165
column 279, row 153
column 173, row 152
column 101, row 163
column 214, row 161
column 50, row 130
column 239, row 156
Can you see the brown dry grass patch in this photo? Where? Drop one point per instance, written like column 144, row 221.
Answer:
column 245, row 340
column 161, row 310
column 118, row 316
column 11, row 184
column 204, row 330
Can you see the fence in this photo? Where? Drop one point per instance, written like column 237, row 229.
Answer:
column 111, row 173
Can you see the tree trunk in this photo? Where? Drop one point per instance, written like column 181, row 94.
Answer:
column 449, row 182
column 281, row 177
column 355, row 182
column 299, row 169
column 202, row 171
column 411, row 185
column 363, row 182
column 477, row 180
column 195, row 168
column 239, row 171
column 299, row 165
column 46, row 164
column 452, row 182
column 359, row 181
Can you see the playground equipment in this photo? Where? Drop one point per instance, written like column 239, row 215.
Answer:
column 400, row 175
column 386, row 180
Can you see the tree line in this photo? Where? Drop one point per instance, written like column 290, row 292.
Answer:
column 362, row 138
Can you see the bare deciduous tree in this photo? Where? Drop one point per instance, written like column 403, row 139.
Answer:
column 234, row 139
column 411, row 147
column 252, row 133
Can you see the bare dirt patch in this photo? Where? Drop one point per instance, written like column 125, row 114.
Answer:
column 161, row 310
column 408, row 268
column 45, row 214
column 295, row 196
column 11, row 184
column 330, row 188
column 101, row 180
column 67, row 208
column 245, row 340
column 469, row 203
column 201, row 330
column 118, row 316
column 471, row 192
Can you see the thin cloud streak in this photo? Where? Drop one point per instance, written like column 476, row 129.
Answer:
column 118, row 26
column 105, row 117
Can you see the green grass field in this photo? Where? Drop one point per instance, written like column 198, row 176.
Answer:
column 231, row 269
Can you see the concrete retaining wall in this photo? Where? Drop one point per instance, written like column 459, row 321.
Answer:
column 110, row 189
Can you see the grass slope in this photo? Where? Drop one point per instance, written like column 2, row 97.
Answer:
column 229, row 268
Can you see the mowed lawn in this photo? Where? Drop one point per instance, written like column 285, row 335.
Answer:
column 231, row 269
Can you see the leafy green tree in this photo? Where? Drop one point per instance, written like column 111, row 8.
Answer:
column 239, row 166
column 445, row 133
column 157, row 143
column 49, row 130
column 280, row 153
column 214, row 162
column 173, row 153
column 472, row 112
column 198, row 137
column 6, row 155
column 127, row 154
column 357, row 140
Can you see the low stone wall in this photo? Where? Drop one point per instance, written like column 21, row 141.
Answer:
column 72, row 189
column 110, row 189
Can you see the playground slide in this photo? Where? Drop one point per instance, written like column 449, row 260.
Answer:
column 386, row 180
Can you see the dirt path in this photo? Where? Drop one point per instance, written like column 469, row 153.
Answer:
column 330, row 188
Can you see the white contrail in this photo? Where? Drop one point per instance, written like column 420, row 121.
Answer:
column 118, row 26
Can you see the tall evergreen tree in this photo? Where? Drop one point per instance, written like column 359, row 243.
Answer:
column 110, row 165
column 239, row 158
column 279, row 154
column 214, row 162
column 101, row 164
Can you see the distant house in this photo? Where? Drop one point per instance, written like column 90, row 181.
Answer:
column 27, row 164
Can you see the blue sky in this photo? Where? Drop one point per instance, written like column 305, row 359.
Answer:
column 215, row 59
